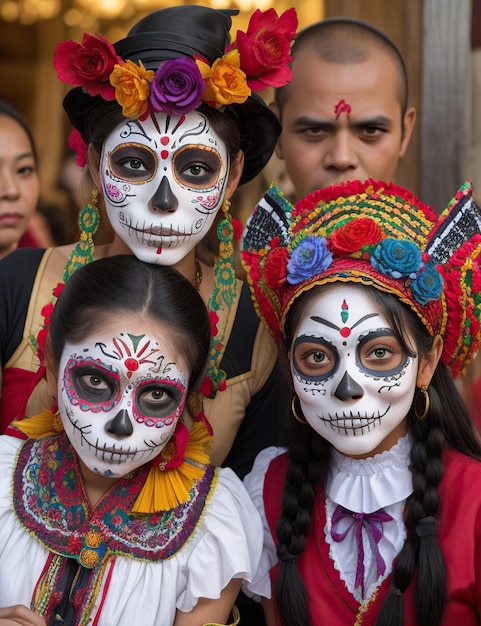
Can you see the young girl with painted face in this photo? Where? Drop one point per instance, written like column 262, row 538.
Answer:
column 168, row 125
column 373, row 514
column 101, row 521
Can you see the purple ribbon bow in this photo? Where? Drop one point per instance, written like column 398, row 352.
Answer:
column 372, row 523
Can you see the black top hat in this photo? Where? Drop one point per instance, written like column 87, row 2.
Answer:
column 190, row 30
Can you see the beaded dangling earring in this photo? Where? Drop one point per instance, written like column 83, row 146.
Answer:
column 222, row 294
column 224, row 269
column 83, row 251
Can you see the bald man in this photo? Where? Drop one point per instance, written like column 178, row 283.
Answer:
column 345, row 113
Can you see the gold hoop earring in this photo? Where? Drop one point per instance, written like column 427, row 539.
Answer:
column 424, row 390
column 294, row 411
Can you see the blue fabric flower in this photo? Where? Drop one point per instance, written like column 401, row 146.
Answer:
column 311, row 257
column 428, row 285
column 396, row 258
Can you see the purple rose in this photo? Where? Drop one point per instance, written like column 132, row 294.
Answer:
column 177, row 86
column 311, row 257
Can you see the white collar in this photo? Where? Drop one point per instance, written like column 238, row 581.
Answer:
column 367, row 485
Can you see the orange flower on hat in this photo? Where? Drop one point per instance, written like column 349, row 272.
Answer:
column 225, row 81
column 132, row 88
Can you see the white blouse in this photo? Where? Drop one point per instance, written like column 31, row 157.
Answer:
column 361, row 486
column 225, row 544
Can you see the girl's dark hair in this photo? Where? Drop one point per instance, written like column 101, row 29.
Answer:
column 308, row 467
column 9, row 111
column 123, row 284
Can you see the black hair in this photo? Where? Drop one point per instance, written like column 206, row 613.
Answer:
column 308, row 467
column 124, row 284
column 9, row 111
column 344, row 40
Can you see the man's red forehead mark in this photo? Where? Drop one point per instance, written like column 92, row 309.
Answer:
column 342, row 107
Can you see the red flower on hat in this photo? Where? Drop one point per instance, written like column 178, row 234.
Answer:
column 275, row 268
column 87, row 64
column 78, row 145
column 265, row 48
column 354, row 235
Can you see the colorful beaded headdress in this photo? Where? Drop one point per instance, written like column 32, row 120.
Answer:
column 175, row 59
column 376, row 234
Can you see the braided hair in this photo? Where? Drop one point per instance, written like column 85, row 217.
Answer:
column 308, row 468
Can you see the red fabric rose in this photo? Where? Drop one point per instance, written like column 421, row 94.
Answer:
column 275, row 268
column 265, row 48
column 87, row 65
column 354, row 235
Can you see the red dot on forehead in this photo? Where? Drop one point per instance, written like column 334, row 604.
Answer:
column 132, row 364
column 345, row 331
column 164, row 154
column 164, row 140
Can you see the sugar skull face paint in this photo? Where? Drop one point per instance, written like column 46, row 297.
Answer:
column 120, row 397
column 354, row 380
column 164, row 181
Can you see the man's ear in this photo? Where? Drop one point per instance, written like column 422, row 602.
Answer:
column 93, row 162
column 51, row 370
column 408, row 125
column 429, row 362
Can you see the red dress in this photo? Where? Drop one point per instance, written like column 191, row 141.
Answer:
column 459, row 533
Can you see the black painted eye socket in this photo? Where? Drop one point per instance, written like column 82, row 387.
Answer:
column 157, row 399
column 133, row 162
column 197, row 166
column 93, row 384
column 314, row 358
column 379, row 353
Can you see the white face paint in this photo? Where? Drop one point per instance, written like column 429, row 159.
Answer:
column 120, row 396
column 354, row 381
column 164, row 180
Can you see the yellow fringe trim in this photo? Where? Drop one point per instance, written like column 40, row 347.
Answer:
column 37, row 426
column 163, row 489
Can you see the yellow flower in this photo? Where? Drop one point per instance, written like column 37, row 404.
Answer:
column 226, row 83
column 132, row 88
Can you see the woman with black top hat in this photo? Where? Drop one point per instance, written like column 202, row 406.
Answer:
column 168, row 124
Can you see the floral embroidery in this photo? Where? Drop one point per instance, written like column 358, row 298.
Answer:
column 51, row 506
